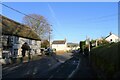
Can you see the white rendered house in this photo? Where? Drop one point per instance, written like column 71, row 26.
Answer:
column 112, row 38
column 59, row 45
column 14, row 35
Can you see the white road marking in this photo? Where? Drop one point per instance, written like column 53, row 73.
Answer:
column 50, row 77
column 76, row 69
column 5, row 68
column 35, row 71
column 14, row 67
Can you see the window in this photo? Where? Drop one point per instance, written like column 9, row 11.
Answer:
column 30, row 41
column 35, row 42
column 11, row 38
column 111, row 40
column 16, row 39
column 15, row 53
column 10, row 41
column 68, row 46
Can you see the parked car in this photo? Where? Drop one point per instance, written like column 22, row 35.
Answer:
column 48, row 51
column 54, row 50
column 42, row 51
column 6, row 54
column 75, row 51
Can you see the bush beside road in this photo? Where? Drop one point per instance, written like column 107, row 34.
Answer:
column 105, row 59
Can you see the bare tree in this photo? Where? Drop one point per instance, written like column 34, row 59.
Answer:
column 39, row 24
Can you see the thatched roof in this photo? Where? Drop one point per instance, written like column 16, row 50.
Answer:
column 11, row 27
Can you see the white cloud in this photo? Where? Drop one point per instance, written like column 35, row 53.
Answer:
column 53, row 15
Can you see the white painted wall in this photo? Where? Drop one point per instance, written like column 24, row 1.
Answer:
column 38, row 47
column 34, row 45
column 113, row 37
column 59, row 47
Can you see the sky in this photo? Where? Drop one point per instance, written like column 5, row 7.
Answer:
column 60, row 0
column 71, row 20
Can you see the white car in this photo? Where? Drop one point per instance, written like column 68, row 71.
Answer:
column 6, row 53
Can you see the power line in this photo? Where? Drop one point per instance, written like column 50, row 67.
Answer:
column 38, row 20
column 18, row 11
column 54, row 16
column 49, row 24
column 24, row 14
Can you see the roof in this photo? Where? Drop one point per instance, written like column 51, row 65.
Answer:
column 11, row 27
column 71, row 44
column 59, row 42
column 110, row 35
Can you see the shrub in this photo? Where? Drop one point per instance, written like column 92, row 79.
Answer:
column 106, row 58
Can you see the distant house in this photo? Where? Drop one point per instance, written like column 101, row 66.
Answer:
column 112, row 38
column 14, row 35
column 59, row 45
column 72, row 46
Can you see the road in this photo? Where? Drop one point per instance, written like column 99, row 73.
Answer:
column 63, row 71
column 59, row 66
column 52, row 67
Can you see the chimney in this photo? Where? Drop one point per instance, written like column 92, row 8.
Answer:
column 110, row 33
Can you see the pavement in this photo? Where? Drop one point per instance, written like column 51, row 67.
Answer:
column 85, row 71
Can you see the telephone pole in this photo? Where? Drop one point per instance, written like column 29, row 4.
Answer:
column 49, row 38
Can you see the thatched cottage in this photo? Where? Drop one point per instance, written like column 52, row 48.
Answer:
column 15, row 34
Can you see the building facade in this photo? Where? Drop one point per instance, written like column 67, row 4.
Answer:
column 59, row 45
column 112, row 38
column 14, row 35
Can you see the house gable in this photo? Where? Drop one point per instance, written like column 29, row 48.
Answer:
column 59, row 45
column 112, row 38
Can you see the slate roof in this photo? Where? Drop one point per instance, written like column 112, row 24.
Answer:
column 11, row 27
column 59, row 42
column 110, row 35
column 71, row 44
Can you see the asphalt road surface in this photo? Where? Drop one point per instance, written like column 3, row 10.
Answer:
column 46, row 67
column 52, row 67
column 63, row 71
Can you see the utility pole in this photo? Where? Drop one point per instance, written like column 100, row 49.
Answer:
column 49, row 38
